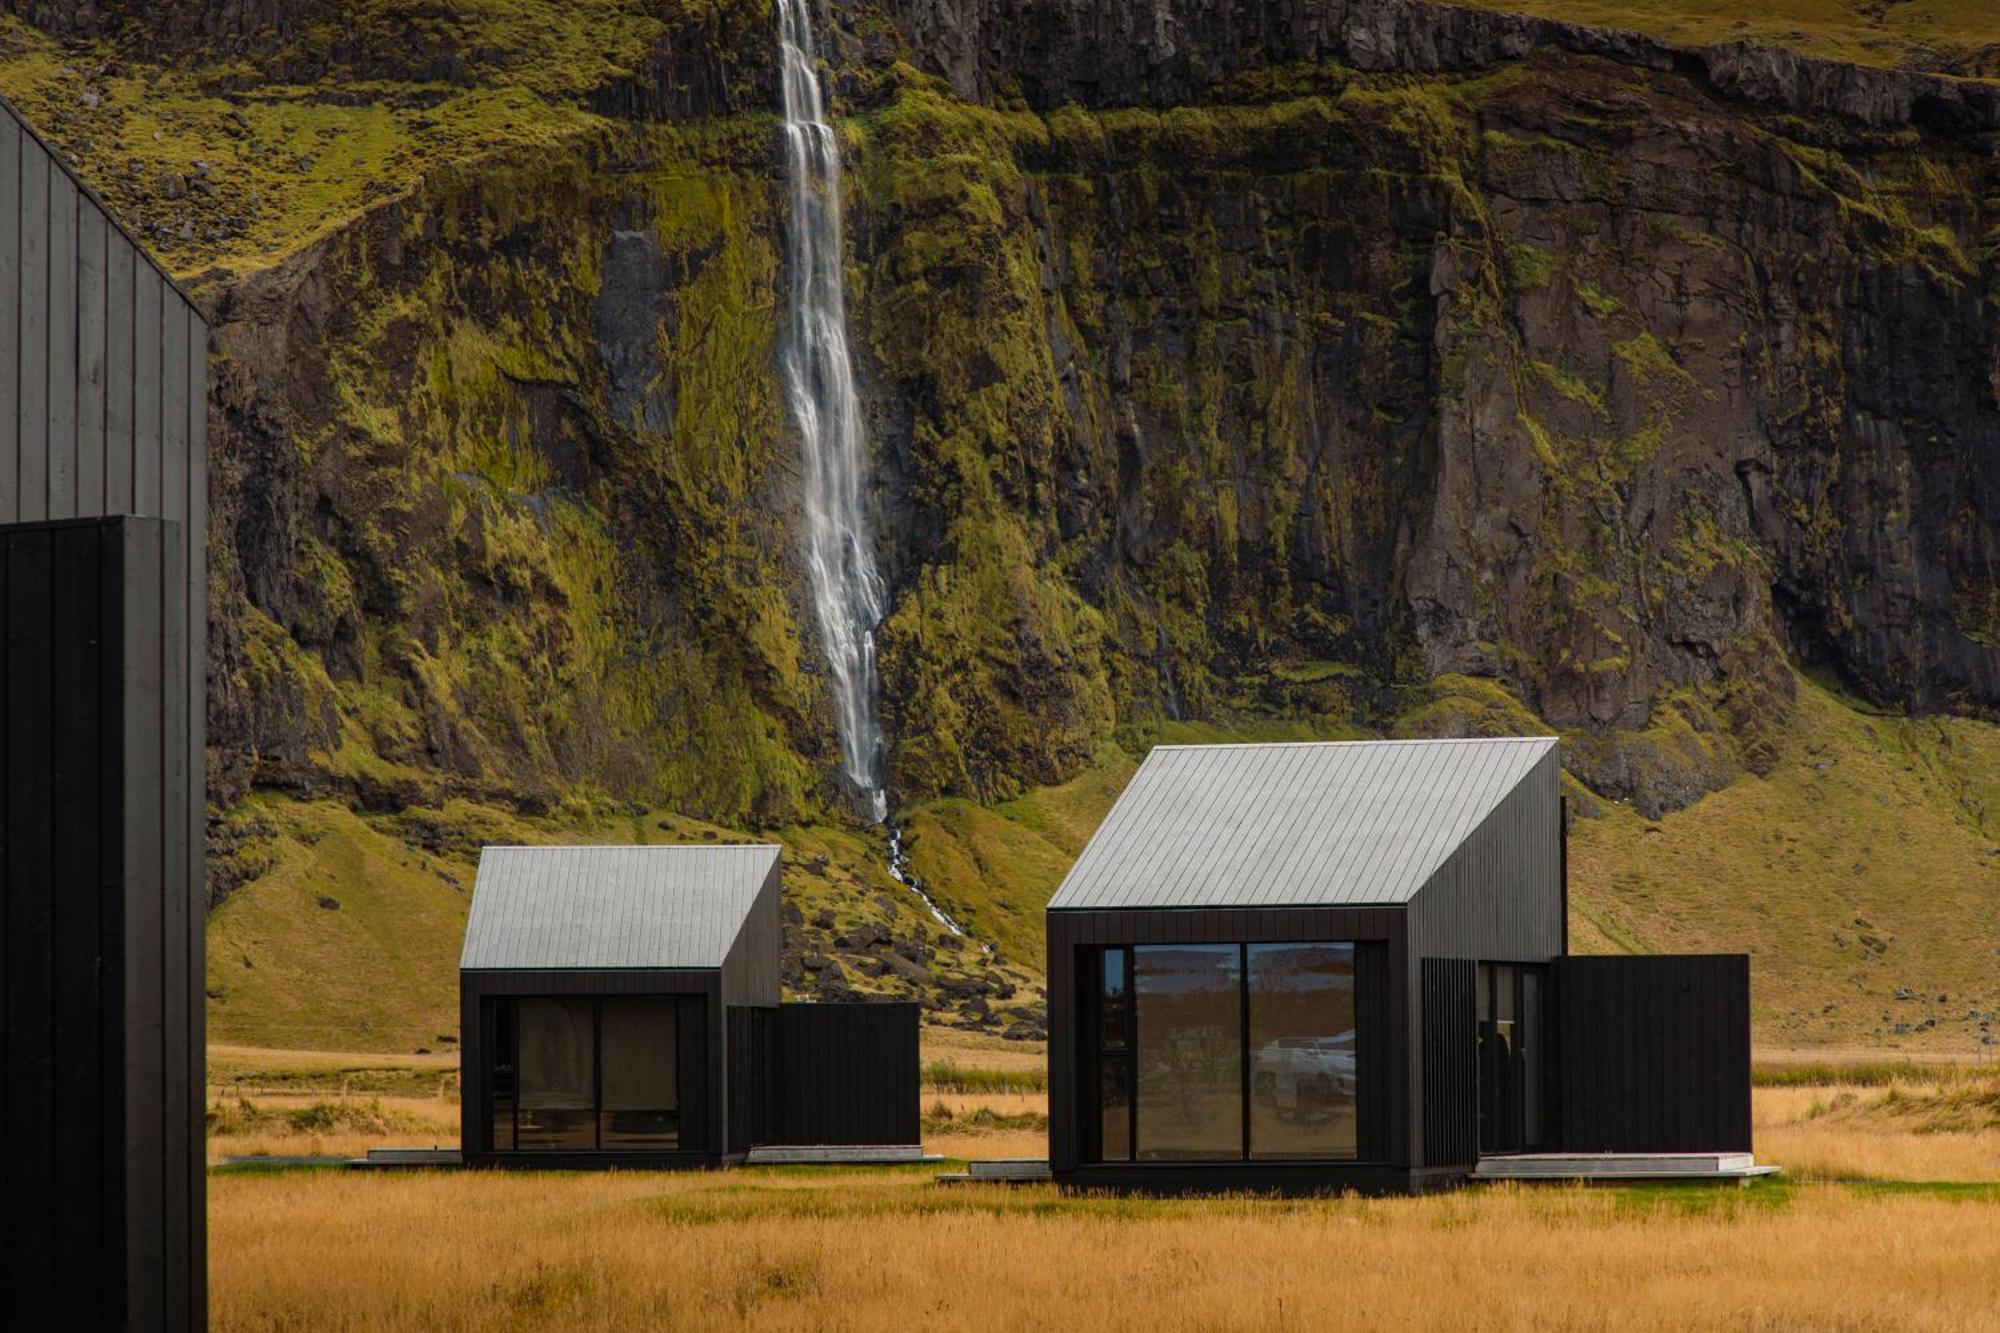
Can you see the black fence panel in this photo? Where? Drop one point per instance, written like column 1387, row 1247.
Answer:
column 1654, row 1053
column 1451, row 1062
column 851, row 1073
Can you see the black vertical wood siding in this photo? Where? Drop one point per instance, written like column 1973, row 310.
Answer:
column 1654, row 1053
column 103, row 1179
column 1499, row 897
column 750, row 972
column 1450, row 1061
column 851, row 1073
column 756, row 1107
column 103, row 412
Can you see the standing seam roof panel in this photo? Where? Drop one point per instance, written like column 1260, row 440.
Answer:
column 569, row 908
column 1315, row 823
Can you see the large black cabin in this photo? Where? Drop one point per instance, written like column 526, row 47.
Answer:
column 1344, row 965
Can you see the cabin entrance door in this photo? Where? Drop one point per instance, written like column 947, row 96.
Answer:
column 1513, row 1058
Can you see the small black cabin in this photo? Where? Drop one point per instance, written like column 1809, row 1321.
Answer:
column 1343, row 965
column 620, row 1006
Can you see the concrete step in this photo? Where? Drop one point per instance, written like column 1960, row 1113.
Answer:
column 999, row 1171
column 836, row 1154
column 408, row 1157
column 1009, row 1168
column 1621, row 1166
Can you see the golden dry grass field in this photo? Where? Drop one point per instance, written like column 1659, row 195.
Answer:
column 1888, row 1218
column 889, row 1249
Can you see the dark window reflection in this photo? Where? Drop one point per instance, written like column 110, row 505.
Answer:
column 501, row 1082
column 1188, row 1006
column 1115, row 1076
column 557, row 1074
column 641, row 1103
column 1114, row 1000
column 1302, row 1051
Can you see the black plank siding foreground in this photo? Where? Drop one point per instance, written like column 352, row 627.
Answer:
column 103, row 412
column 102, row 1177
column 1654, row 1053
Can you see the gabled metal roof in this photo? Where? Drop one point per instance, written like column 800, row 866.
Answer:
column 564, row 908
column 1314, row 824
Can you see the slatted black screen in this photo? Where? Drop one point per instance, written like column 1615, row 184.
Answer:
column 1450, row 1069
column 851, row 1073
column 1654, row 1053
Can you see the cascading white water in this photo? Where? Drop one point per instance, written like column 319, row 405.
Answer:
column 819, row 382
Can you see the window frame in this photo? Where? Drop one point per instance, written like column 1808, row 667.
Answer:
column 1098, row 1052
column 492, row 1009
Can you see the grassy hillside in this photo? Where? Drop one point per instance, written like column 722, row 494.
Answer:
column 1866, row 866
column 1959, row 36
column 346, row 936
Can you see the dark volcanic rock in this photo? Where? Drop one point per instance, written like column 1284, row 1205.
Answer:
column 1112, row 52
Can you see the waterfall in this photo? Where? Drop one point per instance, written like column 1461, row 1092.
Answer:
column 819, row 383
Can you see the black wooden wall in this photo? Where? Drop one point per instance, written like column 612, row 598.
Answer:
column 101, row 1175
column 850, row 1074
column 1654, row 1053
column 1450, row 1061
column 756, row 1104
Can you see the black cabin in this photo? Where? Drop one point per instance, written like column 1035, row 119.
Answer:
column 1344, row 965
column 103, row 659
column 619, row 1006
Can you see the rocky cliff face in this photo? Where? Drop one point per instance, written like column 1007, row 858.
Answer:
column 1113, row 52
column 1386, row 364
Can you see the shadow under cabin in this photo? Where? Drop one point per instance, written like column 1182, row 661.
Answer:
column 621, row 1006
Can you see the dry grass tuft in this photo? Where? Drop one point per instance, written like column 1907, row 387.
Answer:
column 316, row 1126
column 1946, row 1130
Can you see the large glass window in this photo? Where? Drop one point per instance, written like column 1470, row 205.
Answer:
column 558, row 1074
column 1210, row 1052
column 1188, row 1007
column 641, row 1106
column 1302, row 1056
column 573, row 1073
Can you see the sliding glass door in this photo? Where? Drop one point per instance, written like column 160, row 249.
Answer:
column 1221, row 1052
column 585, row 1074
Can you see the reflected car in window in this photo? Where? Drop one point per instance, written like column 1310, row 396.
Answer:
column 1296, row 1071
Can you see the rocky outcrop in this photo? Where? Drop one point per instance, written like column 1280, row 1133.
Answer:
column 1166, row 52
